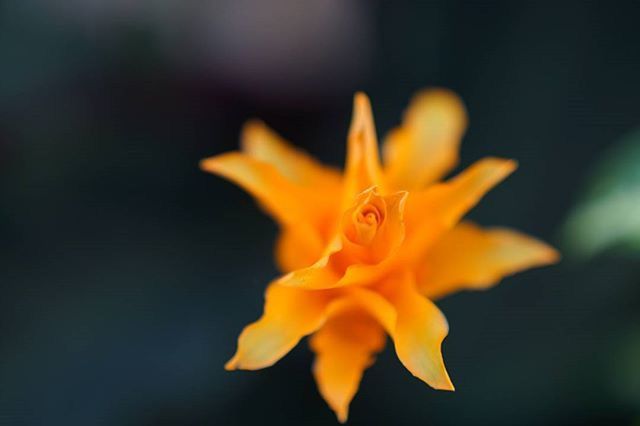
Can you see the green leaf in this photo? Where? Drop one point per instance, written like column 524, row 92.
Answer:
column 609, row 214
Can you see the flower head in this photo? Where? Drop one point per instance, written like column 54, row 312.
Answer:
column 365, row 252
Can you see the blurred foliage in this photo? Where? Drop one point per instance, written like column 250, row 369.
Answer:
column 626, row 374
column 609, row 214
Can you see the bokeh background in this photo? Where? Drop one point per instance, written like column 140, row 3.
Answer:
column 126, row 273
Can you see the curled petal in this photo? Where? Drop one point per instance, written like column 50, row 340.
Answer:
column 262, row 143
column 289, row 315
column 433, row 211
column 469, row 257
column 320, row 275
column 426, row 146
column 325, row 274
column 345, row 346
column 419, row 331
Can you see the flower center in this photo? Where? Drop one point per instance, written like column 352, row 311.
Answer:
column 365, row 221
column 369, row 215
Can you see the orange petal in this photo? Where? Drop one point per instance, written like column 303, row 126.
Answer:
column 320, row 275
column 345, row 346
column 433, row 211
column 372, row 302
column 419, row 331
column 262, row 143
column 262, row 180
column 289, row 314
column 362, row 169
column 324, row 275
column 288, row 203
column 469, row 257
column 426, row 146
column 295, row 251
column 391, row 234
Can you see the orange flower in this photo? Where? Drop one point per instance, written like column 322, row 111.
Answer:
column 365, row 252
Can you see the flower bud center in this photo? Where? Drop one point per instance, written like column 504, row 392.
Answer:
column 366, row 221
column 369, row 215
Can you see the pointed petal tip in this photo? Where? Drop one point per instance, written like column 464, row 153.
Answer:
column 248, row 364
column 253, row 123
column 232, row 364
column 360, row 98
column 495, row 169
column 222, row 163
column 243, row 363
column 446, row 385
column 541, row 255
column 250, row 133
column 442, row 383
column 342, row 416
column 362, row 112
column 550, row 256
column 208, row 164
column 508, row 165
column 443, row 98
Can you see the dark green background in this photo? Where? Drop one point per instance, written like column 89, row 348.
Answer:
column 126, row 273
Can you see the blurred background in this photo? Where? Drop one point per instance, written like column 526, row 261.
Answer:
column 126, row 273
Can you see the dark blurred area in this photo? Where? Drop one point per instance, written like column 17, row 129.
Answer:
column 126, row 273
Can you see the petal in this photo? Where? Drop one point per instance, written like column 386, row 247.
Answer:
column 372, row 302
column 324, row 274
column 391, row 234
column 345, row 346
column 362, row 169
column 433, row 211
column 276, row 193
column 288, row 203
column 262, row 143
column 317, row 276
column 469, row 257
column 426, row 146
column 289, row 315
column 419, row 331
column 295, row 251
